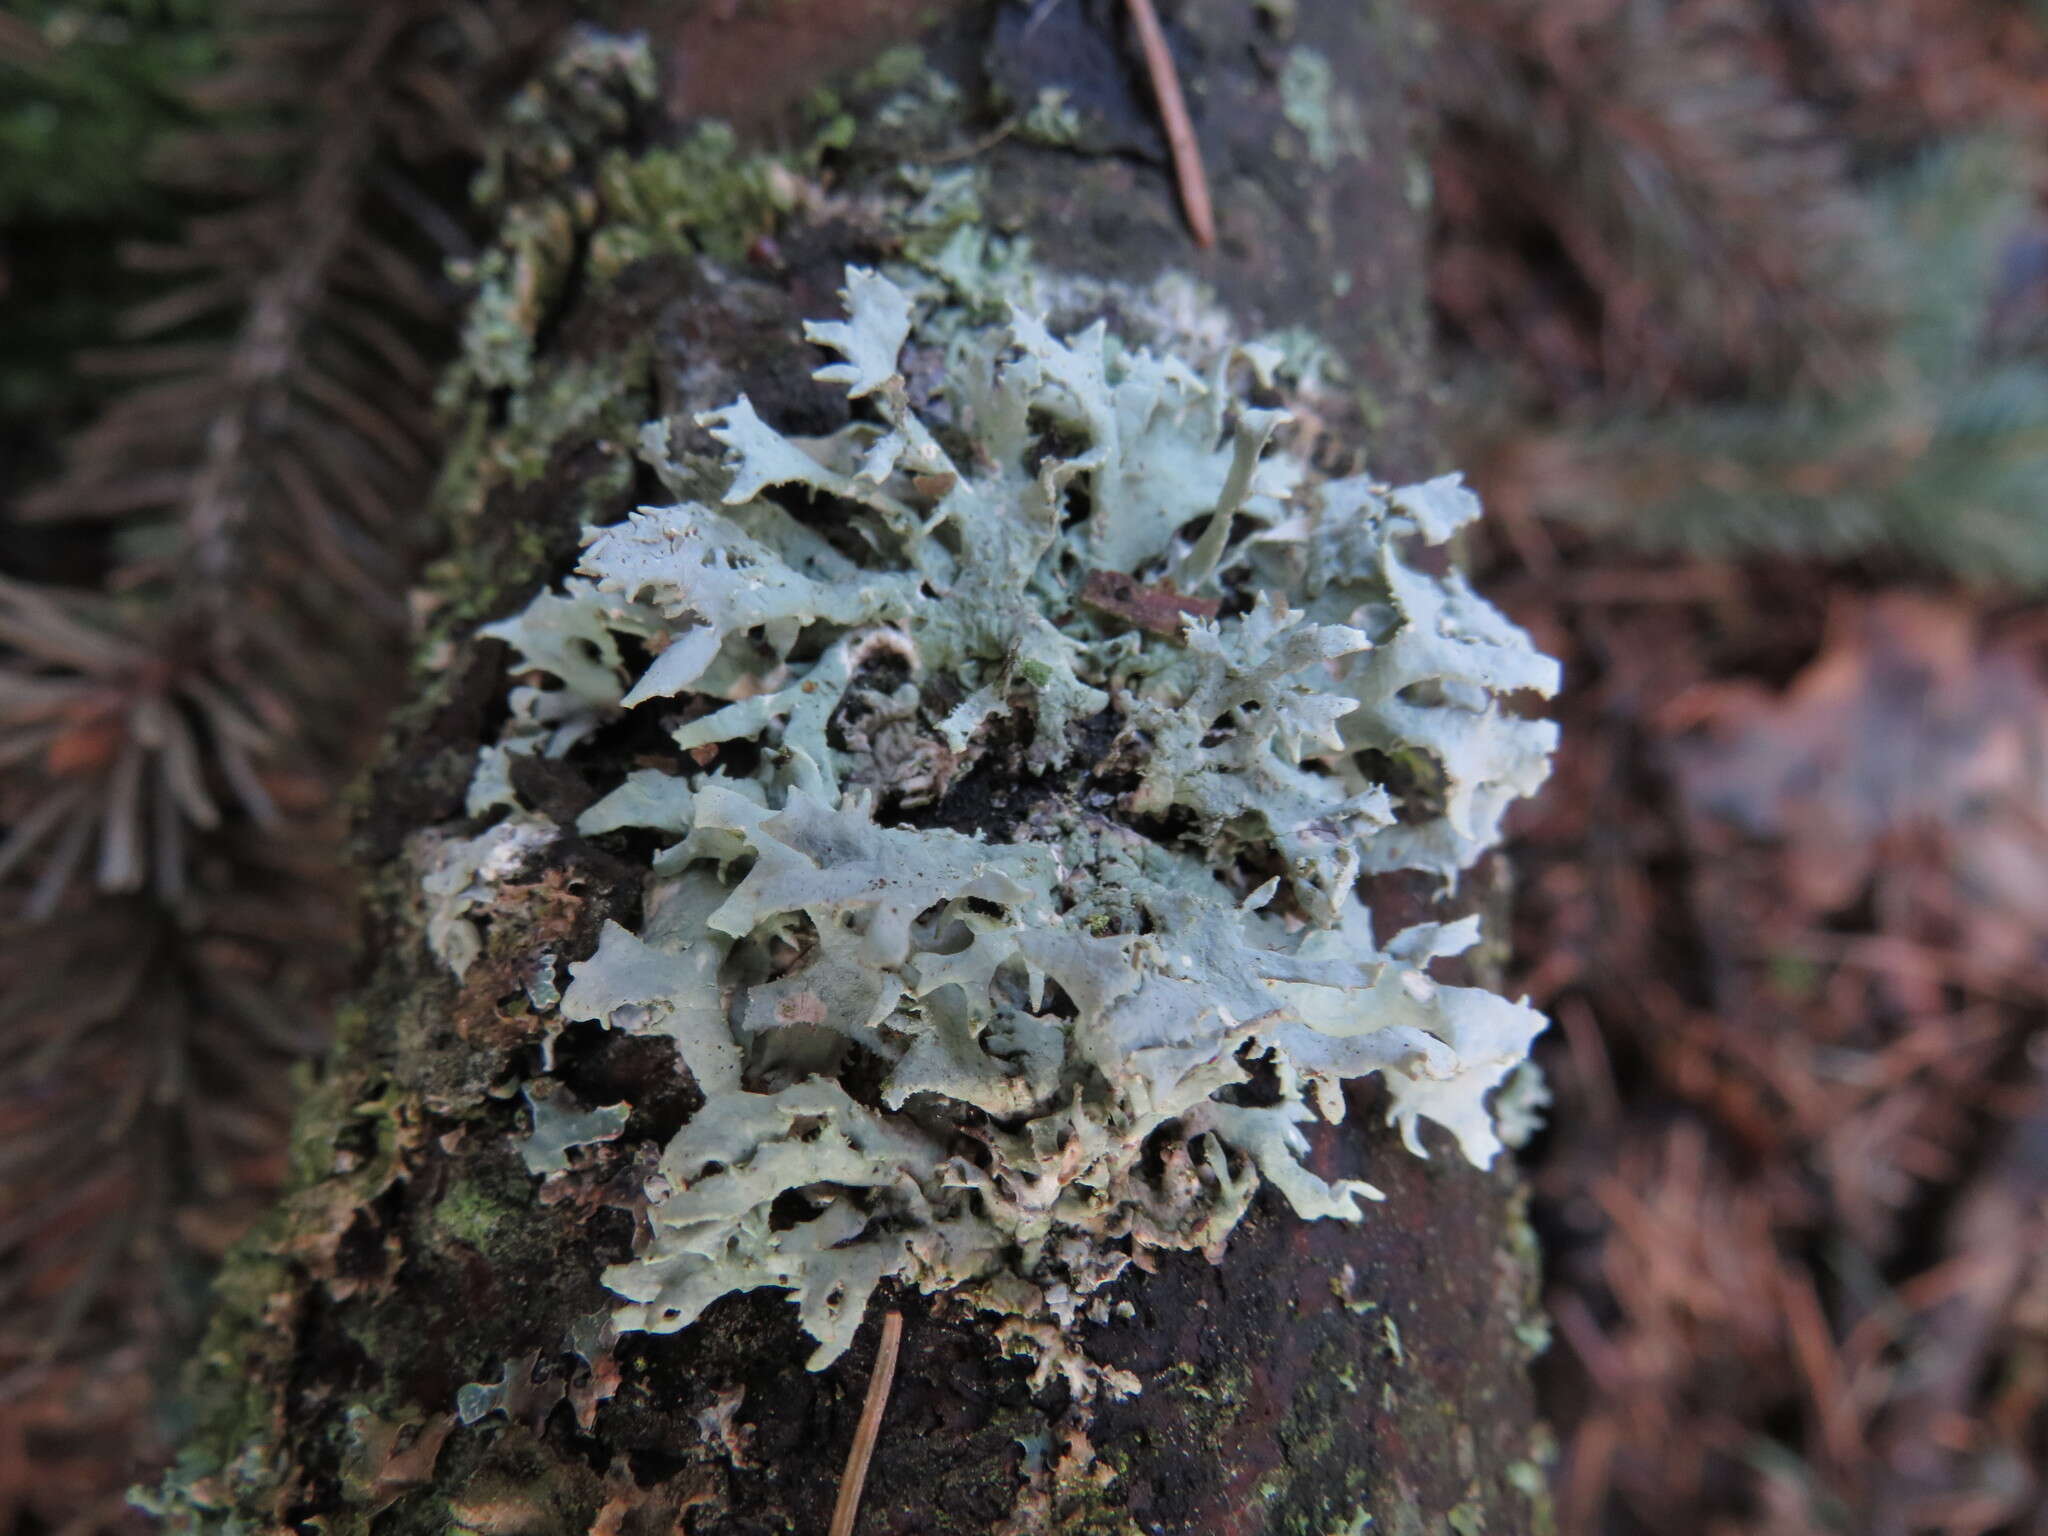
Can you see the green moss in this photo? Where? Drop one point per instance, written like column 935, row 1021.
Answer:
column 1521, row 1284
column 1320, row 1488
column 894, row 69
column 536, row 179
column 703, row 195
column 472, row 1214
column 564, row 407
column 325, row 1113
column 577, row 403
column 228, row 1418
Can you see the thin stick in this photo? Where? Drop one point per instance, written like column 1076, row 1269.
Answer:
column 855, row 1477
column 982, row 145
column 1180, row 131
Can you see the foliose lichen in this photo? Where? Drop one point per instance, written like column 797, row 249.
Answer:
column 1028, row 735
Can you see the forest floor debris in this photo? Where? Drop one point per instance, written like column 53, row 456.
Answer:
column 1787, row 898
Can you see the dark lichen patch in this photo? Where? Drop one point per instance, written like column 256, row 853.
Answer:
column 948, row 1461
column 602, row 1066
column 556, row 787
column 1002, row 790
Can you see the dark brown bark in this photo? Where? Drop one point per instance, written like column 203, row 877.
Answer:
column 1320, row 1373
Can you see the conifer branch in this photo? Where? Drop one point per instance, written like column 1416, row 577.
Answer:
column 172, row 744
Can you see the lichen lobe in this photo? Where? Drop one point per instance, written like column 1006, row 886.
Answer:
column 1007, row 1066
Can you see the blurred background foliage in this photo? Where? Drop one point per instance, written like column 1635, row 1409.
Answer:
column 226, row 228
column 89, row 95
column 1932, row 448
column 1743, row 307
column 90, row 92
column 1752, row 275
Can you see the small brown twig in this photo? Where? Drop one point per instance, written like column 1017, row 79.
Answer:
column 855, row 1477
column 974, row 147
column 1180, row 131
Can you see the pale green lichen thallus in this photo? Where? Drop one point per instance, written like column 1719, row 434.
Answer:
column 1028, row 743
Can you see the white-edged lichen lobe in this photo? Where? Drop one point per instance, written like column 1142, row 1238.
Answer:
column 1023, row 766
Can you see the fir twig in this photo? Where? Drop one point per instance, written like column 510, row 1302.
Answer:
column 171, row 746
column 263, row 478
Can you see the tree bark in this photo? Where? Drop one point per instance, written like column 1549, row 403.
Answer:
column 1322, row 1372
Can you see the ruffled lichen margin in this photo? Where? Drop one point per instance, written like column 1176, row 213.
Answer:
column 1004, row 1050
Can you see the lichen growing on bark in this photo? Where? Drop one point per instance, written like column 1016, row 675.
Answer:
column 1020, row 783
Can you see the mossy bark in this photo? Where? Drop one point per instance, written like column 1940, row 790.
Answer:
column 1322, row 1377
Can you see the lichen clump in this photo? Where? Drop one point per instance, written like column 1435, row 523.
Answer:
column 1029, row 734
